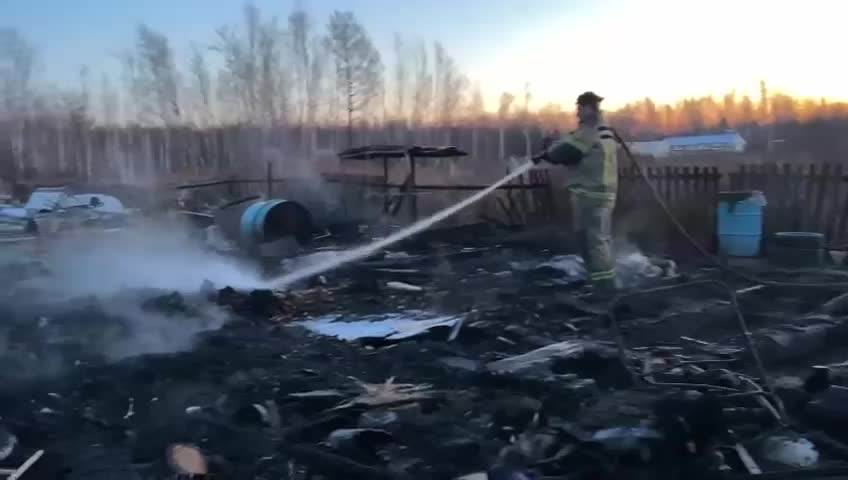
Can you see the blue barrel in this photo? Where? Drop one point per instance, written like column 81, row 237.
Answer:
column 269, row 220
column 740, row 223
column 254, row 224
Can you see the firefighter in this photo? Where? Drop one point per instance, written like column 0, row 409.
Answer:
column 590, row 153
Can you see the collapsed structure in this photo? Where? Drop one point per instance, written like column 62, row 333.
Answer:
column 474, row 361
column 470, row 356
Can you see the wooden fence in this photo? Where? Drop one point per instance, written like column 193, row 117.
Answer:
column 801, row 197
column 811, row 197
column 691, row 193
column 807, row 197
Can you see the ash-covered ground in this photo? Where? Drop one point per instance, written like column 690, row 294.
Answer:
column 510, row 369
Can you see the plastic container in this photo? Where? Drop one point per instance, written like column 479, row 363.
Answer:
column 740, row 223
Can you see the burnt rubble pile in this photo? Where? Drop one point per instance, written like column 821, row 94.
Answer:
column 461, row 364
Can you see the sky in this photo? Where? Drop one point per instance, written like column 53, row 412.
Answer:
column 624, row 50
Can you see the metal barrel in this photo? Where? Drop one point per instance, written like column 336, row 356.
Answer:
column 253, row 223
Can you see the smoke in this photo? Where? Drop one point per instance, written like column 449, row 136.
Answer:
column 159, row 256
column 306, row 185
column 40, row 336
column 110, row 296
column 152, row 332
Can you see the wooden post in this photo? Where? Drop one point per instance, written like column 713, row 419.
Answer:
column 843, row 217
column 809, row 199
column 269, row 179
column 822, row 185
column 785, row 197
column 386, row 201
column 413, row 197
column 797, row 192
column 835, row 202
column 715, row 187
column 231, row 187
column 697, row 224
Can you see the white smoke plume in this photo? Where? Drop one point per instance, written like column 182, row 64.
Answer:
column 157, row 256
column 95, row 293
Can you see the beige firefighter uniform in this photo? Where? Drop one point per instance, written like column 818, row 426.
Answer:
column 591, row 154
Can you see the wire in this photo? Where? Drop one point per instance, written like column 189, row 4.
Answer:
column 700, row 248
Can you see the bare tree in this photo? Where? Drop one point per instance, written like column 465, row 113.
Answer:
column 234, row 82
column 17, row 65
column 201, row 87
column 108, row 102
column 764, row 100
column 134, row 109
column 252, row 79
column 728, row 108
column 158, row 74
column 8, row 166
column 240, row 63
column 422, row 93
column 505, row 104
column 317, row 73
column 358, row 66
column 85, row 90
column 450, row 85
column 77, row 103
column 400, row 77
column 300, row 49
column 72, row 117
column 309, row 57
column 273, row 83
column 477, row 107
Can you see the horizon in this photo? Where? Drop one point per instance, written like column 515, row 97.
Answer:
column 750, row 41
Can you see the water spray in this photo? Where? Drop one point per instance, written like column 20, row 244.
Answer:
column 358, row 253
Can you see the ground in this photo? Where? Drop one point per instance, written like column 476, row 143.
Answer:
column 263, row 397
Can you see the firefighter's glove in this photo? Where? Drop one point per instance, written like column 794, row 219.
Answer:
column 539, row 157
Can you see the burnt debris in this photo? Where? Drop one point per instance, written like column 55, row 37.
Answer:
column 455, row 365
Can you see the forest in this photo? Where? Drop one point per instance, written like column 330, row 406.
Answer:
column 281, row 82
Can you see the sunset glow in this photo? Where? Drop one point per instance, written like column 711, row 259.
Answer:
column 626, row 50
column 667, row 50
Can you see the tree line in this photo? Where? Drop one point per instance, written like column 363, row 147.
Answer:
column 299, row 71
column 265, row 83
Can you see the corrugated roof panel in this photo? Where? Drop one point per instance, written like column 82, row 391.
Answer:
column 729, row 138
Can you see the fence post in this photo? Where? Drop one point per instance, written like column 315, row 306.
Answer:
column 676, row 179
column 843, row 217
column 231, row 186
column 836, row 200
column 797, row 181
column 715, row 187
column 822, row 182
column 668, row 183
column 699, row 219
column 808, row 202
column 269, row 179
